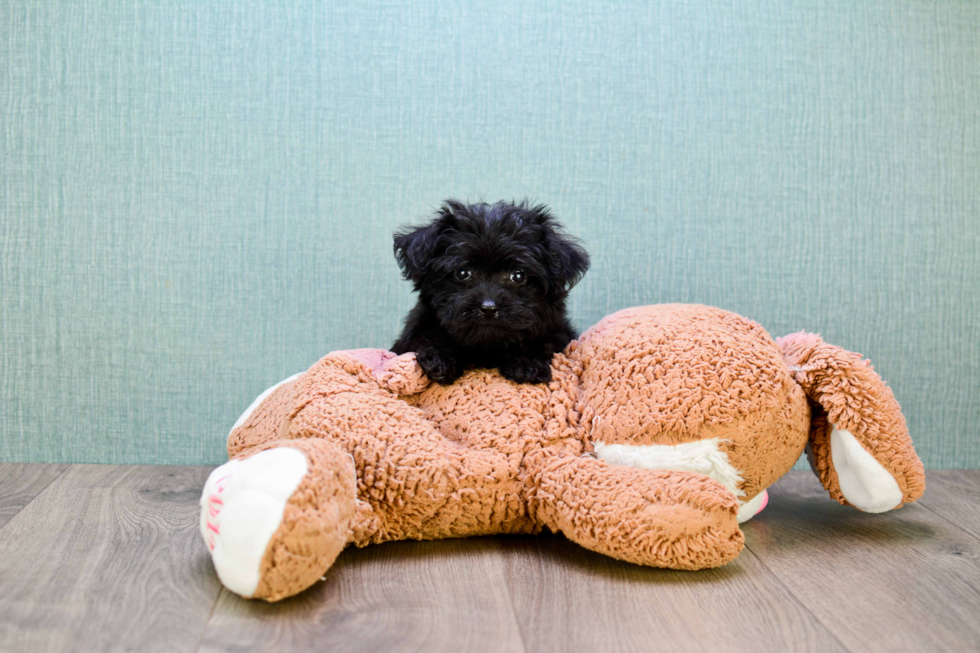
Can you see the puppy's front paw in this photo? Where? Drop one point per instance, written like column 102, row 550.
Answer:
column 527, row 370
column 440, row 366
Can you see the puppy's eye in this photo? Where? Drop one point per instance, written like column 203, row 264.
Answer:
column 519, row 277
column 463, row 275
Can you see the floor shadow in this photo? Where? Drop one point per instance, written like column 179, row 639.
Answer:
column 805, row 518
column 550, row 550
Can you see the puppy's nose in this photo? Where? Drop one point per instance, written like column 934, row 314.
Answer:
column 488, row 309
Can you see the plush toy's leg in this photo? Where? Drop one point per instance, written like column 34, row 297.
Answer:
column 859, row 444
column 261, row 422
column 412, row 482
column 679, row 520
column 275, row 519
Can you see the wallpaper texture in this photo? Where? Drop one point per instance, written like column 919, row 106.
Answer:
column 197, row 199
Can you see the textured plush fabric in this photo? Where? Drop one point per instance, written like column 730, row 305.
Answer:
column 197, row 198
column 316, row 523
column 486, row 455
column 699, row 373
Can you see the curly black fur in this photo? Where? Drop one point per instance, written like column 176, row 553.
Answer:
column 492, row 281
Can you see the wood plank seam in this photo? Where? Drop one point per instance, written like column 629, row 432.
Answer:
column 207, row 624
column 951, row 523
column 513, row 610
column 796, row 598
column 39, row 493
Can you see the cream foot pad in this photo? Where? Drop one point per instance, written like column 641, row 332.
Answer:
column 242, row 506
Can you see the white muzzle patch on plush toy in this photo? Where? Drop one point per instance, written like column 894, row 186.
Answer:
column 242, row 506
column 701, row 456
column 863, row 481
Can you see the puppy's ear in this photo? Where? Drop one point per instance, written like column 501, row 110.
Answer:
column 414, row 248
column 567, row 260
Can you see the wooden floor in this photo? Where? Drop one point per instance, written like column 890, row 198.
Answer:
column 99, row 558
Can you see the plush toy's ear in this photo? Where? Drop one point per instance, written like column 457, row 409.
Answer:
column 567, row 260
column 859, row 445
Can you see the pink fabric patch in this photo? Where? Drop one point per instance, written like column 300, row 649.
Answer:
column 214, row 507
column 765, row 501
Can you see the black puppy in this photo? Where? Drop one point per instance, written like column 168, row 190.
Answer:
column 492, row 281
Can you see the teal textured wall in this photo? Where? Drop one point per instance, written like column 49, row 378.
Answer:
column 196, row 199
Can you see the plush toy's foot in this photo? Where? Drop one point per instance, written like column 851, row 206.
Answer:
column 275, row 521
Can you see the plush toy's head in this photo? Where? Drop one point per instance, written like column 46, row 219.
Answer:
column 677, row 386
column 680, row 385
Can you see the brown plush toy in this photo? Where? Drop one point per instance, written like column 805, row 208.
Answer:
column 660, row 431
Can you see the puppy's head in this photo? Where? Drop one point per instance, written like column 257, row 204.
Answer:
column 491, row 272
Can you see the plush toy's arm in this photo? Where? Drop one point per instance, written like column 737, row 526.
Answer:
column 859, row 444
column 659, row 518
column 402, row 374
column 262, row 422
